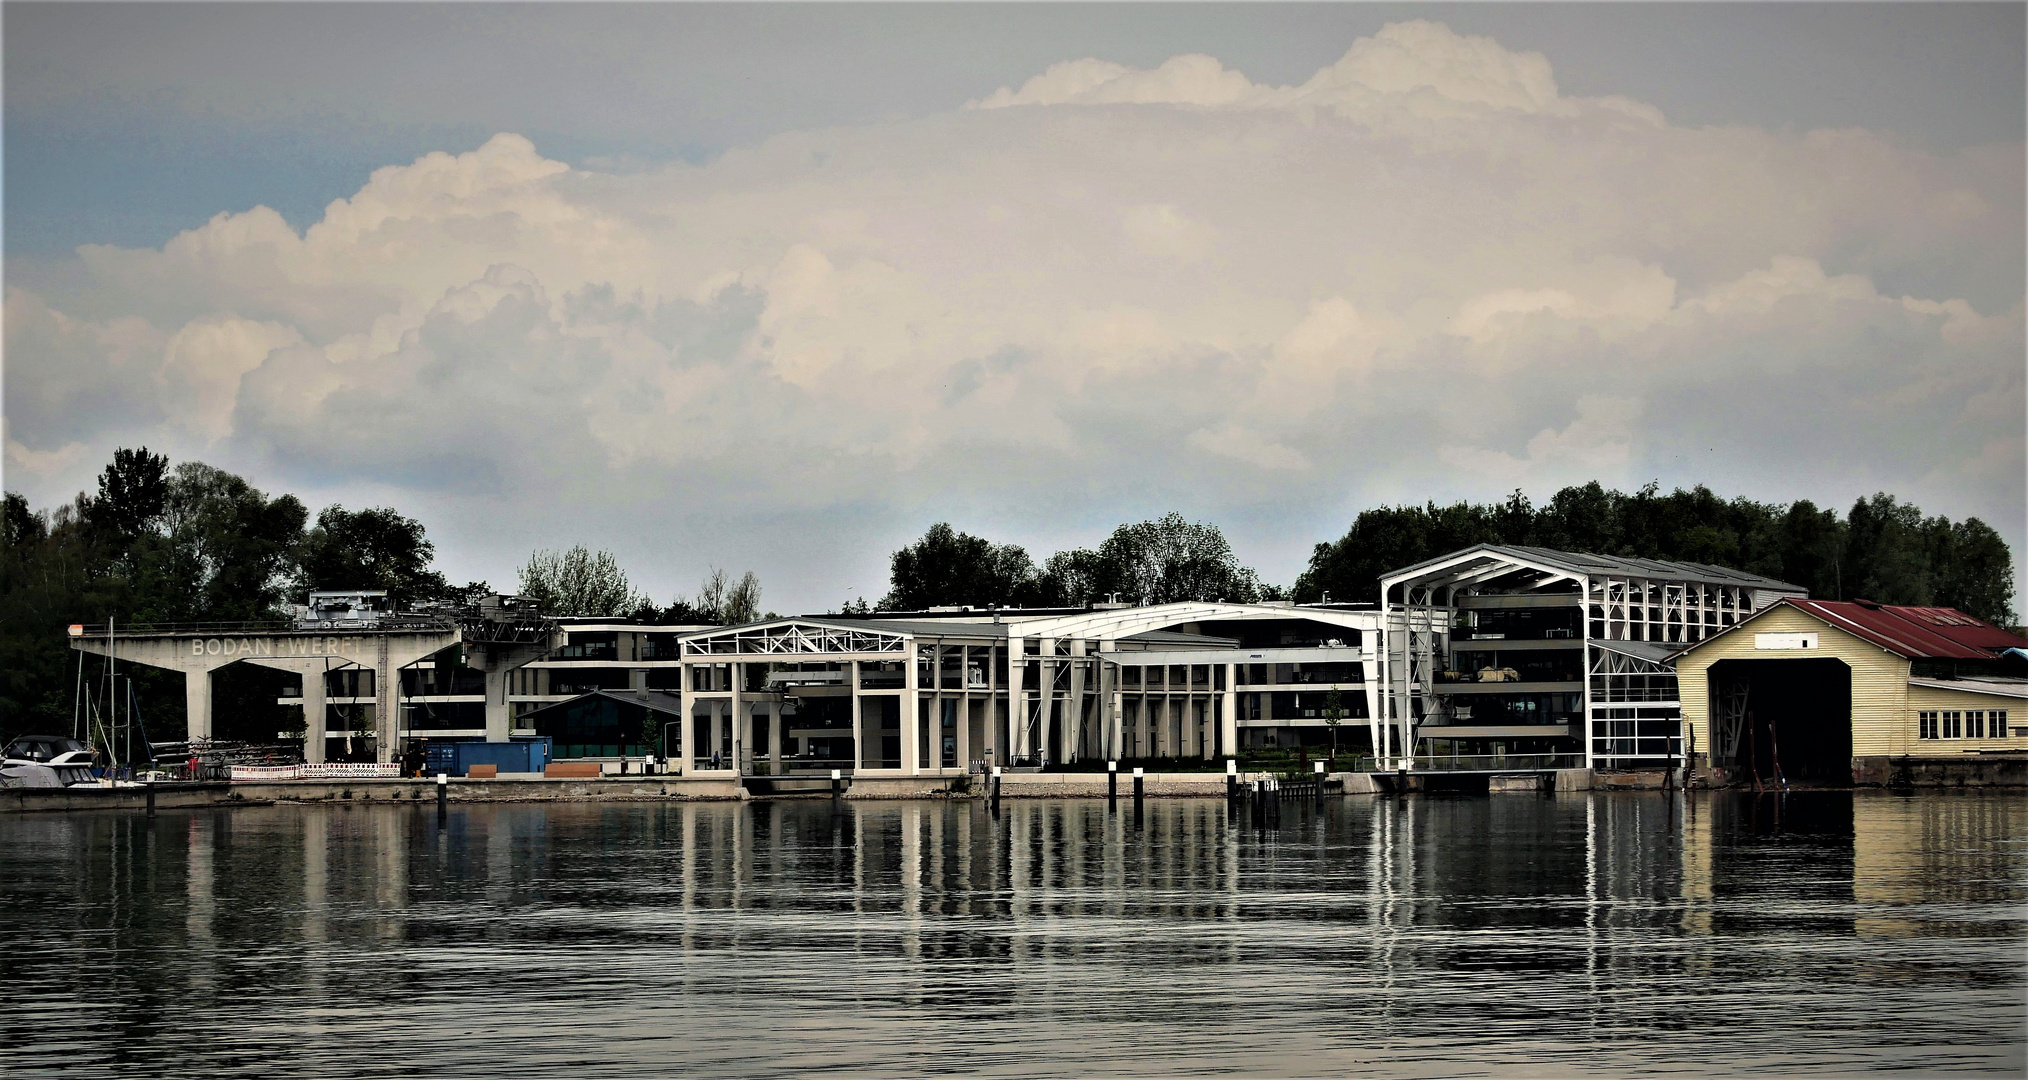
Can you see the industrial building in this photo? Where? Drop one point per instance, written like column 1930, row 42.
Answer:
column 941, row 692
column 1836, row 692
column 1501, row 656
column 441, row 698
column 1493, row 659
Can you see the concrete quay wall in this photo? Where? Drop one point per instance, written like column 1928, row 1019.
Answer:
column 1089, row 784
column 183, row 795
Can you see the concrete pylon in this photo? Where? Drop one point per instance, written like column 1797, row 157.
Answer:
column 315, row 716
column 498, row 660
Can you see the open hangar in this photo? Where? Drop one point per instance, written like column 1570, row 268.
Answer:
column 1835, row 692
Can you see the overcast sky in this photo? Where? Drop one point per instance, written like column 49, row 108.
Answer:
column 775, row 287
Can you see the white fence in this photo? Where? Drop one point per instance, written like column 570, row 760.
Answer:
column 344, row 770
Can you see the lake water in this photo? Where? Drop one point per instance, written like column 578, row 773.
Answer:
column 1516, row 934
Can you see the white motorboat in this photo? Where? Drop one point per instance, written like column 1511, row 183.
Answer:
column 47, row 761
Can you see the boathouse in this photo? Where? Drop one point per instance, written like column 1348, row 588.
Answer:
column 1850, row 691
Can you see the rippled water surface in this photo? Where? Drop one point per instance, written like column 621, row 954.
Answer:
column 1824, row 932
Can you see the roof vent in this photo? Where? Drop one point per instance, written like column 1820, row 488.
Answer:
column 1867, row 604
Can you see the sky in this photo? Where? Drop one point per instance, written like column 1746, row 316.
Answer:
column 775, row 287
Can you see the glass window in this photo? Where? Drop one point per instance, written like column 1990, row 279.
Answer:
column 1975, row 724
column 589, row 646
column 1130, row 676
column 1926, row 725
column 1953, row 724
column 881, row 674
column 1999, row 724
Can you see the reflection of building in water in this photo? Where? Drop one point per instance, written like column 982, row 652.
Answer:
column 1909, row 854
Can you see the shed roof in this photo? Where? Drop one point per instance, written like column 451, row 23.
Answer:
column 1654, row 652
column 1586, row 563
column 1999, row 685
column 1918, row 633
column 652, row 700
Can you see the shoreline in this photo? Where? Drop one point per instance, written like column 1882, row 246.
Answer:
column 180, row 795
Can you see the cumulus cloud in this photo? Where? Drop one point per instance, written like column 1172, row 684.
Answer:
column 1597, row 445
column 1422, row 272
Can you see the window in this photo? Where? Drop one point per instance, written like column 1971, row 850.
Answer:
column 1953, row 724
column 1998, row 721
column 1925, row 724
column 1975, row 724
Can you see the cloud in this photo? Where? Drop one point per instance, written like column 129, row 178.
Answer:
column 1420, row 67
column 1422, row 272
column 1235, row 442
column 1597, row 445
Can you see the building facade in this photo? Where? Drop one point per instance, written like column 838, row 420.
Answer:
column 949, row 691
column 1534, row 657
column 439, row 697
column 1831, row 692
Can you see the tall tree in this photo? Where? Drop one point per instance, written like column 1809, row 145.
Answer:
column 1888, row 552
column 232, row 546
column 579, row 582
column 948, row 567
column 1161, row 561
column 724, row 601
column 371, row 549
column 133, row 493
column 1975, row 571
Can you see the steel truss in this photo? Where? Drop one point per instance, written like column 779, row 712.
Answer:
column 793, row 638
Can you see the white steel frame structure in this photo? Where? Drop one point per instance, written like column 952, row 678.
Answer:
column 1618, row 600
column 984, row 688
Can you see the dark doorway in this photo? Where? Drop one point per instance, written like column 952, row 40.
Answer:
column 1783, row 720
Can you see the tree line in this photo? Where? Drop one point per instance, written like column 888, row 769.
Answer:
column 185, row 543
column 1882, row 549
column 1150, row 562
column 194, row 543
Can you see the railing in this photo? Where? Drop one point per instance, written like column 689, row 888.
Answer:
column 1495, row 762
column 266, row 626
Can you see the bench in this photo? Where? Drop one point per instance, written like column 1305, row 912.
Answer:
column 571, row 770
column 483, row 772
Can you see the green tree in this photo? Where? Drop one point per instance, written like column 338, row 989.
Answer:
column 1888, row 552
column 723, row 601
column 231, row 546
column 948, row 567
column 376, row 548
column 1334, row 715
column 1162, row 561
column 579, row 582
column 133, row 493
column 1974, row 571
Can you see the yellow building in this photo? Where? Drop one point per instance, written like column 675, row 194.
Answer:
column 1836, row 692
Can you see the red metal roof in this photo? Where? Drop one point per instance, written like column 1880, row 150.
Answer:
column 1914, row 632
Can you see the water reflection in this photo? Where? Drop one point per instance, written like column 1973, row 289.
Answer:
column 1808, row 932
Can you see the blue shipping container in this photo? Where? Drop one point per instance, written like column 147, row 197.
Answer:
column 516, row 756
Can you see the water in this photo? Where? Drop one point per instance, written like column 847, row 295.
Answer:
column 1611, row 933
